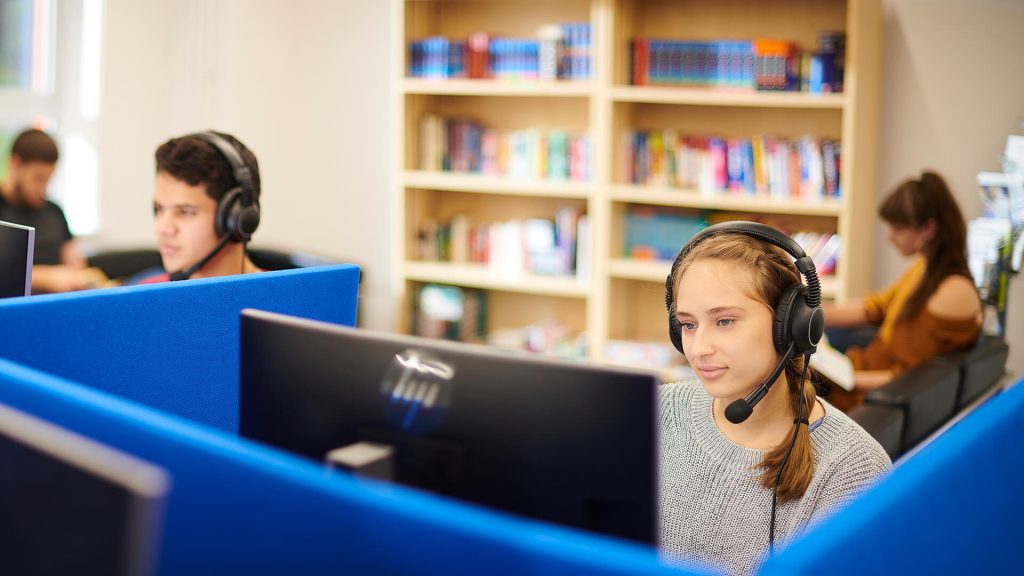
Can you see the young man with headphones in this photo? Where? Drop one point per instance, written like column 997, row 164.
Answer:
column 749, row 455
column 206, row 206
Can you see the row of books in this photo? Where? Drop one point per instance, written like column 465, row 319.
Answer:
column 560, row 246
column 548, row 337
column 823, row 248
column 459, row 145
column 449, row 312
column 655, row 233
column 456, row 313
column 761, row 64
column 658, row 233
column 658, row 355
column 560, row 51
column 765, row 165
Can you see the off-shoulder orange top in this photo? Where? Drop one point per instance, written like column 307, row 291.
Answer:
column 902, row 344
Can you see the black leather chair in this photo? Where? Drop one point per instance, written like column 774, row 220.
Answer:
column 884, row 423
column 981, row 368
column 131, row 265
column 927, row 395
column 270, row 259
column 121, row 264
column 125, row 263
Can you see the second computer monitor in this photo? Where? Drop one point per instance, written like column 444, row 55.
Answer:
column 565, row 442
column 17, row 245
column 69, row 505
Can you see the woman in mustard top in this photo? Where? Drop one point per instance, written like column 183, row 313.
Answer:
column 933, row 308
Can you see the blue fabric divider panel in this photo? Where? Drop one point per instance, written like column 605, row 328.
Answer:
column 237, row 507
column 171, row 346
column 955, row 507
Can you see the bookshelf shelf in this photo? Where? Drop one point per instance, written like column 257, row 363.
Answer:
column 537, row 88
column 474, row 183
column 623, row 300
column 721, row 97
column 693, row 199
column 643, row 270
column 479, row 276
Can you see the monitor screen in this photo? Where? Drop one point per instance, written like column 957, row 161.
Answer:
column 564, row 442
column 17, row 243
column 69, row 505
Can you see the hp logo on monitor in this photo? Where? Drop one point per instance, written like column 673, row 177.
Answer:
column 417, row 391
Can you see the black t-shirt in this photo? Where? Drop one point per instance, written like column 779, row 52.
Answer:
column 51, row 228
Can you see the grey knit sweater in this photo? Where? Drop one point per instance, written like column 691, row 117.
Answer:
column 712, row 505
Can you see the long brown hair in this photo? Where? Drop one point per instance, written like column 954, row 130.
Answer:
column 773, row 271
column 914, row 203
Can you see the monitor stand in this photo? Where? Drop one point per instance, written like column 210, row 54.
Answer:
column 364, row 459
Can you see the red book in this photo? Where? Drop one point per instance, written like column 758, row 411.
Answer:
column 477, row 48
column 641, row 61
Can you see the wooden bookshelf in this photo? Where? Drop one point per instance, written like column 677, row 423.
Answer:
column 478, row 276
column 713, row 97
column 459, row 87
column 622, row 299
column 692, row 199
column 477, row 184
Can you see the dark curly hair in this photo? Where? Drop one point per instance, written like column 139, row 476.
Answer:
column 195, row 161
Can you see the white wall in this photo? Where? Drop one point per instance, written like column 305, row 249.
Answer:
column 952, row 90
column 304, row 84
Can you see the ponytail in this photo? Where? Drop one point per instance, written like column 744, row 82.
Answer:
column 799, row 468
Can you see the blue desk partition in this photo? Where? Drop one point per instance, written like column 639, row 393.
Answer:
column 237, row 507
column 153, row 371
column 955, row 507
column 172, row 346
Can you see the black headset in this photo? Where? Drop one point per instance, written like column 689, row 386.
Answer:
column 798, row 320
column 238, row 210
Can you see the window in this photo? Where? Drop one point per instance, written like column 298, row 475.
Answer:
column 50, row 70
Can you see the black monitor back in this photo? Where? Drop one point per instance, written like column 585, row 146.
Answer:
column 564, row 442
column 17, row 245
column 69, row 505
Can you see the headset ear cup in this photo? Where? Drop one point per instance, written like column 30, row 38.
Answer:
column 228, row 203
column 808, row 324
column 782, row 324
column 675, row 332
column 674, row 328
column 234, row 218
column 248, row 219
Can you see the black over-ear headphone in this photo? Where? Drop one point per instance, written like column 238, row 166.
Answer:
column 238, row 211
column 798, row 321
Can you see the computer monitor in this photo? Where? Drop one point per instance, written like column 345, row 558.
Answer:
column 17, row 244
column 565, row 442
column 69, row 505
